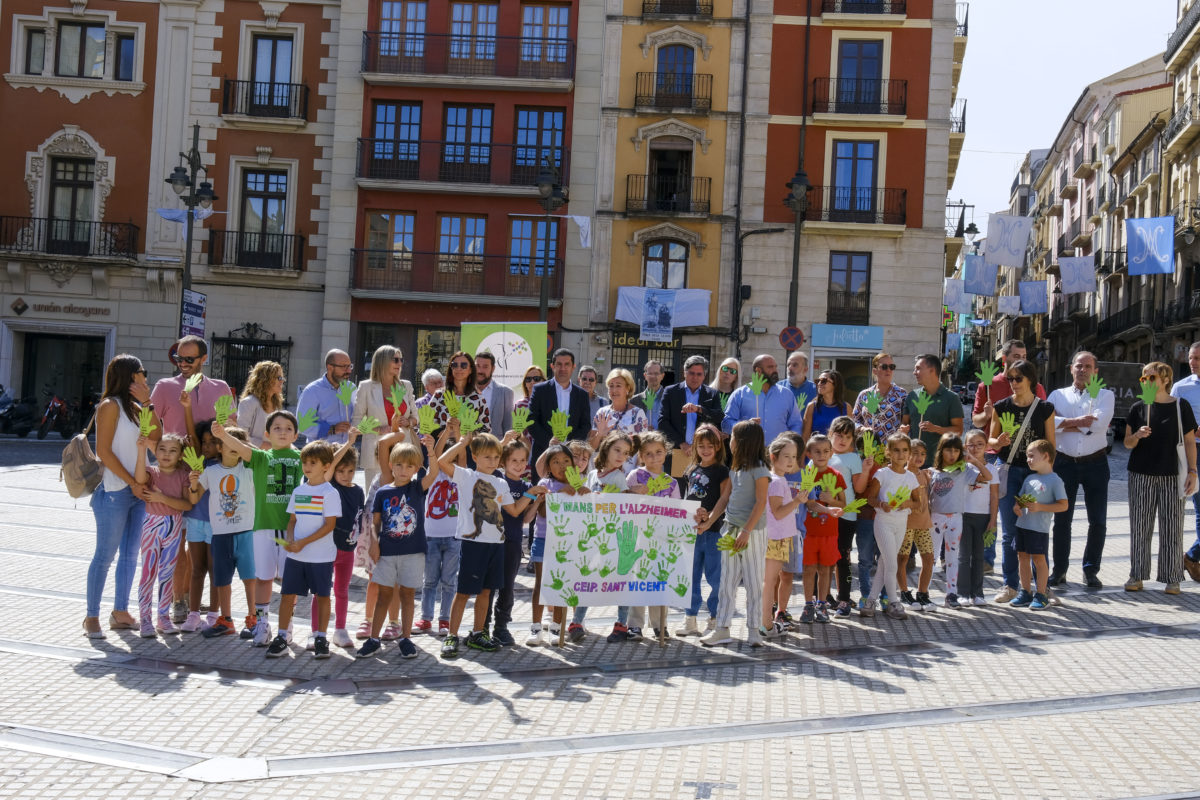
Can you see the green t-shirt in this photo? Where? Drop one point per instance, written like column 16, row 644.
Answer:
column 276, row 474
column 945, row 408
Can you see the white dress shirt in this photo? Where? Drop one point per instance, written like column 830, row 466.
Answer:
column 486, row 394
column 564, row 396
column 1070, row 403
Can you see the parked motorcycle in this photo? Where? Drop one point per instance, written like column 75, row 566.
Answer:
column 15, row 417
column 56, row 417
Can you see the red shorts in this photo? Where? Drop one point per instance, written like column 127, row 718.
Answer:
column 821, row 550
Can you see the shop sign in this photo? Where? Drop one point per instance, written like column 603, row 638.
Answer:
column 849, row 337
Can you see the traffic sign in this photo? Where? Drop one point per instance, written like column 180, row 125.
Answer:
column 791, row 338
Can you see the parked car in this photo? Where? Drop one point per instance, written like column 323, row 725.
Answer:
column 972, row 387
column 961, row 391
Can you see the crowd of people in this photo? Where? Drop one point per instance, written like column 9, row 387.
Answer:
column 790, row 473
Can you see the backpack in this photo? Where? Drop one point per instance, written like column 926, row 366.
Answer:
column 81, row 470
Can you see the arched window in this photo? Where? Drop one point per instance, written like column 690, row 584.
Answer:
column 665, row 264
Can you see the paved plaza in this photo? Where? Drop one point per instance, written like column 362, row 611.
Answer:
column 1098, row 698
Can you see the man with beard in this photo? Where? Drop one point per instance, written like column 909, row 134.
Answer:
column 774, row 409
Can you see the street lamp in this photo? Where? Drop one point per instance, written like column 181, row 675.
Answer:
column 552, row 197
column 970, row 234
column 797, row 201
column 183, row 182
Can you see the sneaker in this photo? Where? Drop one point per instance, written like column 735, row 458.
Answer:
column 262, row 632
column 1172, row 588
column 369, row 648
column 502, row 637
column 364, row 630
column 718, row 636
column 391, row 633
column 320, row 647
column 147, row 631
column 443, row 628
column 554, row 629
column 450, row 646
column 924, row 603
column 754, row 638
column 277, row 647
column 479, row 640
column 535, row 637
column 167, row 626
column 690, row 628
column 711, row 625
column 192, row 623
column 619, row 633
column 808, row 614
column 952, row 601
column 423, row 626
column 822, row 612
column 978, row 601
column 772, row 632
column 1005, row 595
column 1023, row 598
column 1133, row 586
column 866, row 607
column 576, row 633
column 222, row 627
column 311, row 644
column 843, row 609
column 407, row 648
column 1039, row 602
column 906, row 597
column 179, row 611
column 209, row 620
column 788, row 620
column 896, row 611
column 341, row 637
column 248, row 631
column 1192, row 566
column 634, row 635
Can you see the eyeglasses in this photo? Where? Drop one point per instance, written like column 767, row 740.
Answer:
column 888, row 367
column 532, row 379
column 582, row 379
column 729, row 370
column 1014, row 378
column 178, row 359
column 341, row 366
column 461, row 365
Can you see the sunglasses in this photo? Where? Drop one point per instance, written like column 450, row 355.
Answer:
column 461, row 365
column 587, row 380
column 824, row 380
column 1014, row 378
column 178, row 359
column 398, row 360
column 729, row 370
column 141, row 371
column 888, row 367
column 1146, row 379
column 532, row 379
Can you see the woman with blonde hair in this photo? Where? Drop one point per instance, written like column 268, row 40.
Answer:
column 533, row 375
column 374, row 399
column 620, row 414
column 726, row 379
column 263, row 395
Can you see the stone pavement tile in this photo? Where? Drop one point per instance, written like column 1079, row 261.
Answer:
column 31, row 776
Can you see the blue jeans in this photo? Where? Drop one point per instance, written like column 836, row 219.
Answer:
column 119, row 516
column 1093, row 477
column 864, row 540
column 1194, row 551
column 1008, row 523
column 706, row 563
column 442, row 554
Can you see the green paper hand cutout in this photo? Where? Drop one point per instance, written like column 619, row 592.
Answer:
column 426, row 420
column 1094, row 385
column 469, row 418
column 1008, row 423
column 757, row 383
column 367, row 425
column 650, row 397
column 573, row 478
column 451, row 401
column 922, row 402
column 308, row 419
column 520, row 419
column 899, row 496
column 987, row 373
column 808, row 478
column 610, row 489
column 1147, row 392
column 871, row 449
column 658, row 483
column 559, row 427
column 146, row 422
column 223, row 408
column 854, row 506
column 345, row 392
column 724, row 398
column 957, row 467
column 193, row 382
column 195, row 462
column 627, row 554
column 802, row 401
column 397, row 395
column 828, row 484
column 871, row 402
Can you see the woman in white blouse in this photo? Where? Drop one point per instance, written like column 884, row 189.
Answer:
column 262, row 396
column 374, row 399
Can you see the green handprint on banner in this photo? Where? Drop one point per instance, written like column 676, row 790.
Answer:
column 604, row 547
column 582, row 544
column 674, row 554
column 553, row 505
column 570, row 598
column 681, row 587
column 627, row 554
column 561, row 556
column 520, row 419
column 556, row 580
column 652, row 553
column 585, row 569
column 644, row 570
column 610, row 527
column 662, row 572
column 345, row 392
column 560, row 530
column 606, row 570
column 690, row 537
column 651, row 525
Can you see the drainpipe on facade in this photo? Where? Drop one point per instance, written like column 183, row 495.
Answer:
column 736, row 313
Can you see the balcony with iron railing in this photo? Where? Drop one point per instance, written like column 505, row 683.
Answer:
column 958, row 117
column 1051, row 203
column 847, row 308
column 961, row 18
column 872, row 7
column 1185, row 33
column 1126, row 319
column 673, row 92
column 256, row 250
column 677, row 8
column 657, row 195
column 453, row 275
column 1067, row 188
column 860, row 96
column 856, row 206
column 1083, row 163
column 1080, row 233
column 393, row 161
column 272, row 101
column 503, row 62
column 1114, row 262
column 68, row 237
column 1183, row 127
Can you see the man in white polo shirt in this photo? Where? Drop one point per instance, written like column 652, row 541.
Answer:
column 1080, row 433
column 1189, row 389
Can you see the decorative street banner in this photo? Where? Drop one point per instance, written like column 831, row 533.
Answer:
column 954, row 296
column 1150, row 245
column 1009, row 304
column 517, row 346
column 953, row 343
column 618, row 549
column 1078, row 274
column 1034, row 299
column 658, row 315
column 979, row 277
column 691, row 305
column 1007, row 236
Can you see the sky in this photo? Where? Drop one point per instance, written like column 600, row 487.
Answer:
column 1027, row 62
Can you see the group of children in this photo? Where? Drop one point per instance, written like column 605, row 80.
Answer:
column 451, row 520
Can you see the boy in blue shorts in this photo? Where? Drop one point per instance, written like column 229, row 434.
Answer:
column 1042, row 496
column 276, row 475
column 230, row 487
column 313, row 512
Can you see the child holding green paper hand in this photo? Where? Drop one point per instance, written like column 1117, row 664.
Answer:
column 386, row 397
column 782, row 504
column 651, row 448
column 954, row 470
column 887, row 487
column 824, row 506
column 979, row 519
column 1041, row 496
column 856, row 473
column 162, row 528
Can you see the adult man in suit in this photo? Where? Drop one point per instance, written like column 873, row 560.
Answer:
column 499, row 398
column 689, row 404
column 653, row 373
column 558, row 394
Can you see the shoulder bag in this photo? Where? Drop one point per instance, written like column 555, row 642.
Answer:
column 1181, row 456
